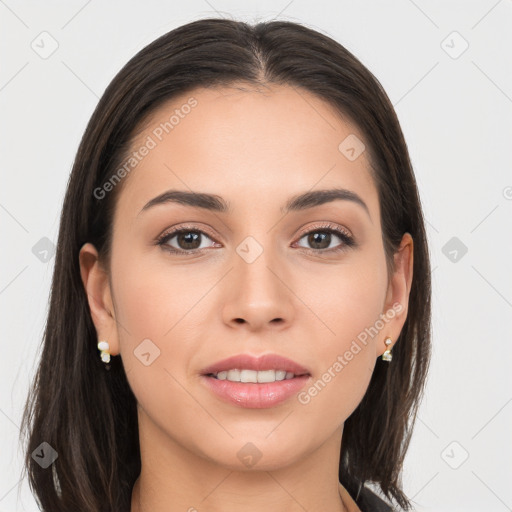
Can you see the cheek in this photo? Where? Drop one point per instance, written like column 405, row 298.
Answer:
column 152, row 300
column 158, row 335
column 160, row 311
column 345, row 301
column 347, row 305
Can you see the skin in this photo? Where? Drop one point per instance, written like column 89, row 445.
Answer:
column 256, row 149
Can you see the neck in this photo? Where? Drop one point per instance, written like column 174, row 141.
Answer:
column 176, row 478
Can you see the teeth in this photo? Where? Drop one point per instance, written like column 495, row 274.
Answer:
column 236, row 375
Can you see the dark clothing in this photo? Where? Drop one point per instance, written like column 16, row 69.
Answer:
column 368, row 501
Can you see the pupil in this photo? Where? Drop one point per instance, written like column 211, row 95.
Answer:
column 313, row 240
column 189, row 238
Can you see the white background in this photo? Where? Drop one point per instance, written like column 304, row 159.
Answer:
column 456, row 116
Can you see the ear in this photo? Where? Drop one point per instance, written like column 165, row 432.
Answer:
column 97, row 287
column 397, row 297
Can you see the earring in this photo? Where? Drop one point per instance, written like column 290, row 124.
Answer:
column 104, row 347
column 387, row 356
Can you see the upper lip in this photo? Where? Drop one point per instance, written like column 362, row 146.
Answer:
column 264, row 362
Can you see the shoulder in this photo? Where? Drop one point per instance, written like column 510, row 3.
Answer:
column 368, row 501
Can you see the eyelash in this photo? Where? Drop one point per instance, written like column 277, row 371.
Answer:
column 347, row 240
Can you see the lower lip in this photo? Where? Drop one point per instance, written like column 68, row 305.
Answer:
column 254, row 395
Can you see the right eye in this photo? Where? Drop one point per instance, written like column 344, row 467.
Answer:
column 188, row 240
column 326, row 231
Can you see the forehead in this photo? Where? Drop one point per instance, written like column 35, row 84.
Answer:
column 258, row 145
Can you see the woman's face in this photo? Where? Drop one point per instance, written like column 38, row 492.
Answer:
column 253, row 278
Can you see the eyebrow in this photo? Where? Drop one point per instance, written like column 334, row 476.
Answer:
column 215, row 203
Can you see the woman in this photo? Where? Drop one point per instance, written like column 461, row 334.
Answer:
column 240, row 308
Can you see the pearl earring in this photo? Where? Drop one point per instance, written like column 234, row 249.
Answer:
column 387, row 356
column 104, row 347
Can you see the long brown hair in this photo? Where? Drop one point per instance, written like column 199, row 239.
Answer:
column 88, row 415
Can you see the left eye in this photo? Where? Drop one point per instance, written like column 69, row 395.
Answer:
column 188, row 240
column 320, row 239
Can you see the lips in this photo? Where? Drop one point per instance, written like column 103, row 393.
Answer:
column 264, row 362
column 255, row 396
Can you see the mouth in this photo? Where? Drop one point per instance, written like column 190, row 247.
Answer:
column 255, row 382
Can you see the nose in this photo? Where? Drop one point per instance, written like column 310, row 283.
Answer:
column 259, row 294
